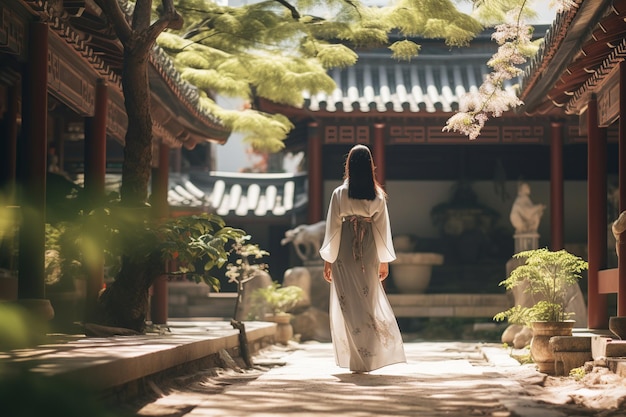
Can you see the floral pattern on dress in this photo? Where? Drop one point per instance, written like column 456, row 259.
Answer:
column 381, row 330
column 366, row 290
column 342, row 301
column 364, row 352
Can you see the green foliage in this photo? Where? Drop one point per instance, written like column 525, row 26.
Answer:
column 276, row 298
column 492, row 12
column 405, row 49
column 335, row 56
column 278, row 50
column 198, row 244
column 62, row 257
column 20, row 328
column 577, row 373
column 253, row 123
column 547, row 276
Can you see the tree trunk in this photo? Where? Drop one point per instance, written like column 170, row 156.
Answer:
column 124, row 303
column 138, row 147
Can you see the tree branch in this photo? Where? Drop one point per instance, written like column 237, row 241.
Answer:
column 117, row 18
column 294, row 12
column 141, row 15
column 169, row 19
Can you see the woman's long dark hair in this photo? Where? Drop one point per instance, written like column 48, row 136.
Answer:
column 360, row 173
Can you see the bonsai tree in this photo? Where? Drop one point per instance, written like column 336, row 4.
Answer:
column 547, row 276
column 245, row 267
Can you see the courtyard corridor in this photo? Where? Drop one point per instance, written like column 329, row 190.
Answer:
column 460, row 379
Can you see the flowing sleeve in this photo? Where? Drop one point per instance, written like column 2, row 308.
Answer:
column 332, row 237
column 382, row 234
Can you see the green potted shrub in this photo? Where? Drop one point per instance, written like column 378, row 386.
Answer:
column 547, row 276
column 274, row 303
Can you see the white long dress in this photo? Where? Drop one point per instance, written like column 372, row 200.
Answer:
column 364, row 329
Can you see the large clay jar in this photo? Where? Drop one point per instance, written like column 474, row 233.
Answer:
column 540, row 349
column 411, row 272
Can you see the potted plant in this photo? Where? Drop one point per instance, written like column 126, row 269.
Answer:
column 547, row 277
column 274, row 303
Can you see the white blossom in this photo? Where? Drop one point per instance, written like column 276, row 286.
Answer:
column 562, row 5
column 492, row 99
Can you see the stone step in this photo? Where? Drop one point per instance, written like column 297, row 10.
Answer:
column 448, row 305
column 190, row 299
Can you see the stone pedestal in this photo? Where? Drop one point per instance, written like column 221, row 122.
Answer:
column 570, row 352
column 526, row 241
column 606, row 347
column 611, row 352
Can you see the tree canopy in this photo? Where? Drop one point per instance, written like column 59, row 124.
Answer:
column 278, row 49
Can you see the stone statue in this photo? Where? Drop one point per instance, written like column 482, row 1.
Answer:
column 525, row 215
column 307, row 240
column 617, row 228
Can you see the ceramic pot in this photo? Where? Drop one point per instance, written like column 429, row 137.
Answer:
column 284, row 329
column 540, row 349
column 411, row 272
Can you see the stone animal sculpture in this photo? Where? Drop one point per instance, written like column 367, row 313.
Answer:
column 617, row 228
column 307, row 240
column 525, row 215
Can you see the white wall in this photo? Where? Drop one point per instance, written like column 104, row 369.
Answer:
column 410, row 203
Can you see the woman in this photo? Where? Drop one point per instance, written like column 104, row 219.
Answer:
column 357, row 248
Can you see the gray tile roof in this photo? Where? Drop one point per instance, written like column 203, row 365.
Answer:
column 239, row 194
column 430, row 83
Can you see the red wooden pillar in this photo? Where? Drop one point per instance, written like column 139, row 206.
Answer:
column 95, row 172
column 379, row 152
column 177, row 160
column 596, row 217
column 95, row 146
column 160, row 210
column 32, row 173
column 158, row 305
column 160, row 184
column 621, row 286
column 556, row 187
column 316, row 180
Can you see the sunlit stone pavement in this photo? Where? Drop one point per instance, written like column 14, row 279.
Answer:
column 439, row 379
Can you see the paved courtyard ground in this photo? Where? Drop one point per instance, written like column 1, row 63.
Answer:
column 439, row 379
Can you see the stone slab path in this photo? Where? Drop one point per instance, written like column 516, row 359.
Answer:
column 439, row 379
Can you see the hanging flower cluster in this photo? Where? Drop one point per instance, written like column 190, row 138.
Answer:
column 492, row 98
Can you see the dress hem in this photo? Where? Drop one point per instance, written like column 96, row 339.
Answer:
column 373, row 369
